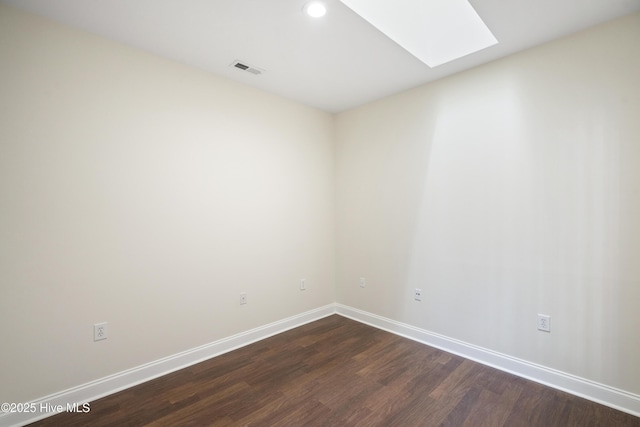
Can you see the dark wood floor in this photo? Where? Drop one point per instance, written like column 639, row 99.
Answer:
column 338, row 372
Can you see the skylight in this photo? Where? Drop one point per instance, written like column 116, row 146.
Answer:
column 434, row 31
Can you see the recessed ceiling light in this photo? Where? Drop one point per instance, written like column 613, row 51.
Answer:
column 315, row 9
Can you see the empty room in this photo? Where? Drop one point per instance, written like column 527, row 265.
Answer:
column 333, row 213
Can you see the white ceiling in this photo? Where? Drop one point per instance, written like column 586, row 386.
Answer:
column 334, row 63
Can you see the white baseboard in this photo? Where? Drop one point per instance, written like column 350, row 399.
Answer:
column 600, row 393
column 129, row 378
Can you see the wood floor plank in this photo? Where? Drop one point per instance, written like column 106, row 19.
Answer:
column 492, row 409
column 339, row 372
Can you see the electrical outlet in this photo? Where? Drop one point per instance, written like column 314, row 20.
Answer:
column 100, row 331
column 363, row 282
column 243, row 298
column 303, row 284
column 417, row 294
column 544, row 323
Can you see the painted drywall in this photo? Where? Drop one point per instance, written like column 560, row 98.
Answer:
column 144, row 193
column 506, row 191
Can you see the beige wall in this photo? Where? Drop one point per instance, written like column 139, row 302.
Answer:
column 502, row 192
column 147, row 194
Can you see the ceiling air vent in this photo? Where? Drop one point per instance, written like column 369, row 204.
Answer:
column 241, row 65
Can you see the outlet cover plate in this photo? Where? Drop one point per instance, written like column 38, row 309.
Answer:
column 100, row 331
column 544, row 322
